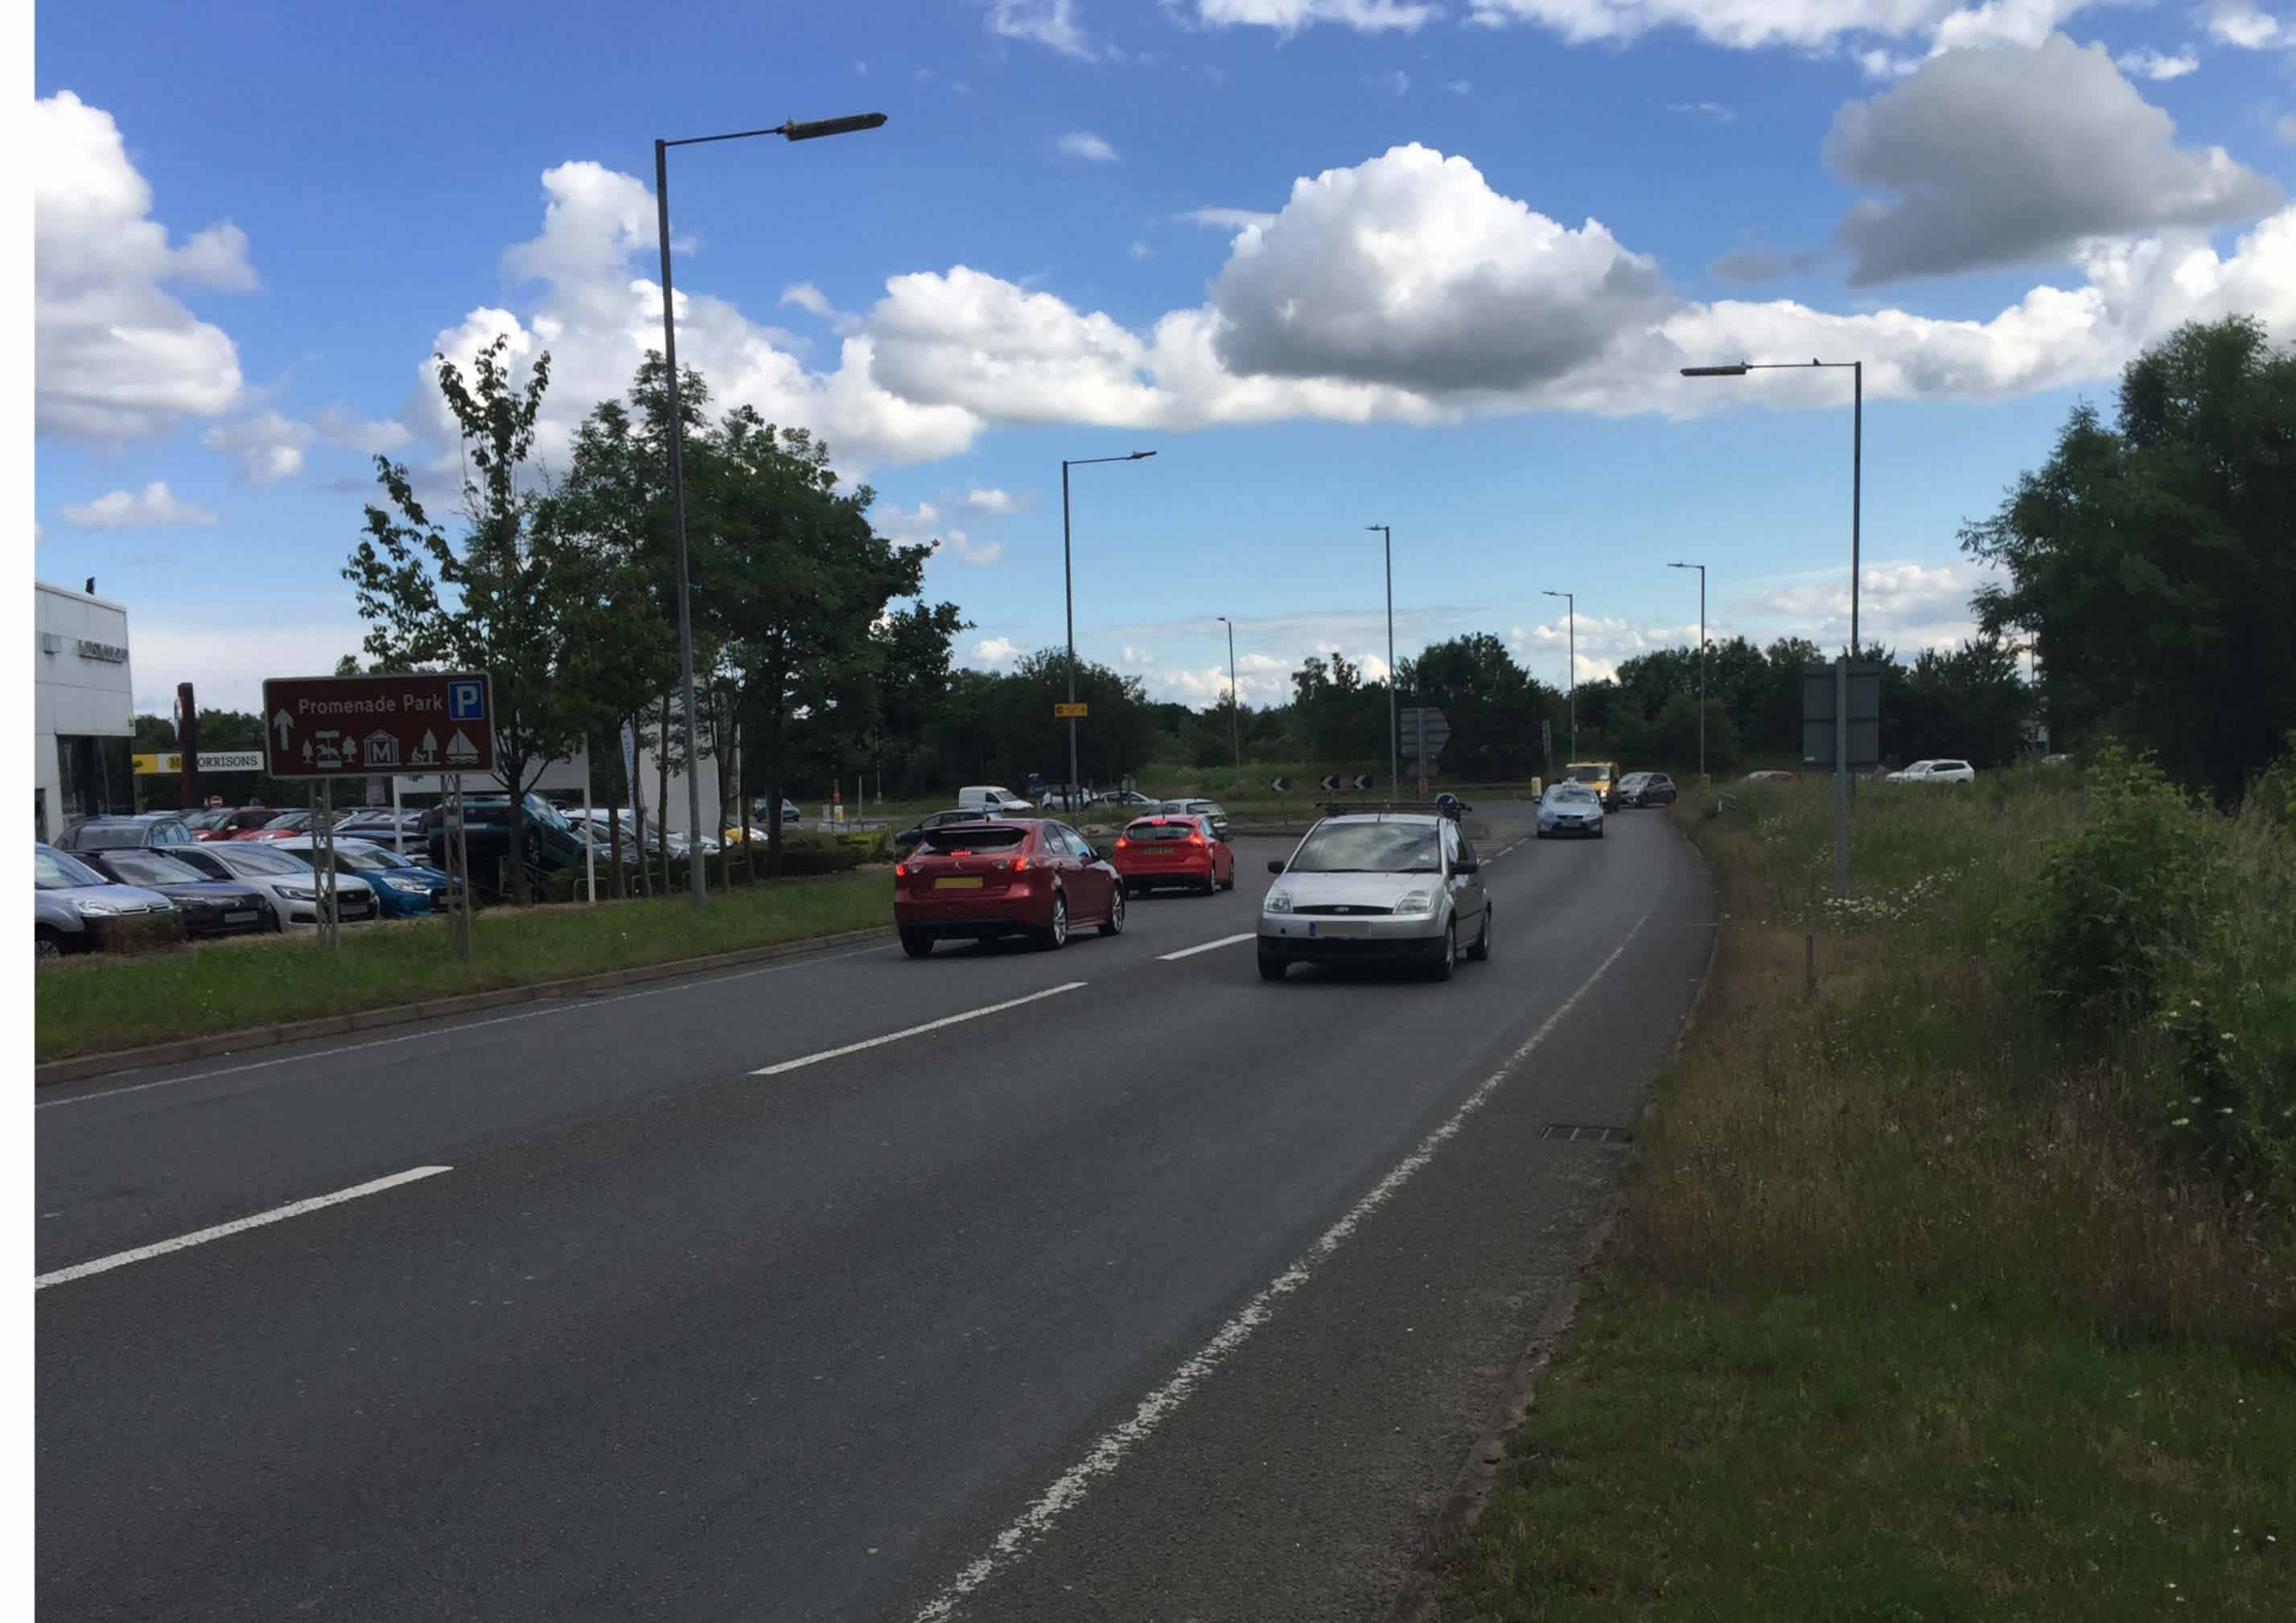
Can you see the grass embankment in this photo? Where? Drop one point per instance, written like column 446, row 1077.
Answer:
column 1926, row 1302
column 95, row 1005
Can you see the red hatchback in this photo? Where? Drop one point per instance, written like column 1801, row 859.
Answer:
column 1172, row 850
column 981, row 881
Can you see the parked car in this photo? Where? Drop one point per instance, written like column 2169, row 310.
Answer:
column 1646, row 788
column 1601, row 777
column 287, row 879
column 1772, row 775
column 404, row 889
column 399, row 831
column 909, row 836
column 1935, row 772
column 280, row 825
column 1199, row 809
column 551, row 840
column 75, row 909
column 234, row 823
column 1404, row 887
column 1129, row 801
column 210, row 907
column 117, row 834
column 987, row 879
column 1570, row 807
column 994, row 799
column 1162, row 851
column 1058, row 800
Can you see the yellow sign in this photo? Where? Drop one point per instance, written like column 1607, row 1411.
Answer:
column 1070, row 712
column 158, row 766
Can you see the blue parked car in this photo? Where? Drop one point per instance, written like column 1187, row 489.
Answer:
column 406, row 888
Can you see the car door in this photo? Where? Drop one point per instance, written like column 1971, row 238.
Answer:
column 1223, row 854
column 1089, row 890
column 1467, row 898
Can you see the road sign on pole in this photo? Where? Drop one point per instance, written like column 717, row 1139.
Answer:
column 1070, row 712
column 1425, row 731
column 1360, row 781
column 352, row 726
column 1282, row 786
column 1331, row 782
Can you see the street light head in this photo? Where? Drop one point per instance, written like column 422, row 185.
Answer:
column 1546, row 594
column 819, row 128
column 1685, row 566
column 1141, row 456
column 1714, row 371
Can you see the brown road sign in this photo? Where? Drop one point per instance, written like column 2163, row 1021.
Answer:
column 362, row 726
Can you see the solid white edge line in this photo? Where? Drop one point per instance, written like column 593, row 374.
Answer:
column 1205, row 946
column 895, row 1036
column 1070, row 1487
column 141, row 1253
column 552, row 1005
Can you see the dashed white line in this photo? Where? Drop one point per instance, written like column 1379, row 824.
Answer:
column 910, row 1031
column 1070, row 1487
column 144, row 1253
column 1204, row 947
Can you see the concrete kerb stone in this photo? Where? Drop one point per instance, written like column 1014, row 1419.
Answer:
column 81, row 1067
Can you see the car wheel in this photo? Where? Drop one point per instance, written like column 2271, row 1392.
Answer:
column 1481, row 951
column 1447, row 958
column 1114, row 925
column 1057, row 937
column 1598, row 833
column 1272, row 968
column 45, row 946
column 916, row 943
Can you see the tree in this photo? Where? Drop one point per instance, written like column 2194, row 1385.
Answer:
column 1968, row 702
column 1492, row 706
column 2152, row 561
column 495, row 600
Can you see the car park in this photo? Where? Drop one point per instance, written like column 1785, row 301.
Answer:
column 1398, row 887
column 1159, row 851
column 116, row 833
column 908, row 837
column 1571, row 808
column 75, row 909
column 286, row 878
column 279, row 825
column 210, row 907
column 1646, row 788
column 1935, row 772
column 230, row 825
column 987, row 879
column 402, row 887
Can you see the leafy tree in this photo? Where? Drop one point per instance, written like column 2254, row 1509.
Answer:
column 1969, row 702
column 1493, row 706
column 2153, row 561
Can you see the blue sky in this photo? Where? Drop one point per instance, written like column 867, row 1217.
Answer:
column 1460, row 252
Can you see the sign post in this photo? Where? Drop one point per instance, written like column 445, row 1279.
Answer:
column 1070, row 712
column 1841, row 732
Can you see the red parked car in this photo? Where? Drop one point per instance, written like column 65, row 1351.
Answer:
column 232, row 826
column 982, row 880
column 1174, row 850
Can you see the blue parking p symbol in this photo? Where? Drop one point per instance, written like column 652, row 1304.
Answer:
column 465, row 701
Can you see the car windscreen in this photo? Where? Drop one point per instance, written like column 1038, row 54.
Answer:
column 1152, row 828
column 151, row 868
column 1370, row 848
column 1587, row 774
column 255, row 859
column 977, row 838
column 55, row 871
column 1575, row 793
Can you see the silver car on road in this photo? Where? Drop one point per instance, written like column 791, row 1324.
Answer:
column 1401, row 887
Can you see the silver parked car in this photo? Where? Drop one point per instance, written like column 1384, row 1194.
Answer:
column 76, row 909
column 1401, row 887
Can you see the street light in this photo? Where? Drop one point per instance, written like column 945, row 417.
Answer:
column 1701, row 662
column 1394, row 722
column 794, row 131
column 1572, row 598
column 1235, row 714
column 1068, row 595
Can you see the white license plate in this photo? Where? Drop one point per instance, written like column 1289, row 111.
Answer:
column 1338, row 927
column 239, row 918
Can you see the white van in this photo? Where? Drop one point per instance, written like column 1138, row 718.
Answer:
column 993, row 801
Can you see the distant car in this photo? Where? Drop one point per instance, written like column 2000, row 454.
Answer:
column 399, row 831
column 985, row 879
column 75, row 909
column 1772, row 775
column 993, row 799
column 230, row 825
column 210, row 907
column 2057, row 761
column 1403, row 887
column 1129, row 801
column 1646, row 788
column 1199, row 809
column 117, row 834
column 286, row 878
column 1935, row 772
column 1569, row 808
column 404, row 889
column 280, row 825
column 1161, row 850
column 908, row 837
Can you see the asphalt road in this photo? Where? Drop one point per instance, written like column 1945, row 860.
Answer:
column 1152, row 1291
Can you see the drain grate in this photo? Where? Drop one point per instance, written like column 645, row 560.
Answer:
column 1617, row 1136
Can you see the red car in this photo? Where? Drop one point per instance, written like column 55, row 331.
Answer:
column 234, row 826
column 982, row 880
column 1173, row 850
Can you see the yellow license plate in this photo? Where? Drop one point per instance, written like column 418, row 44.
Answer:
column 957, row 884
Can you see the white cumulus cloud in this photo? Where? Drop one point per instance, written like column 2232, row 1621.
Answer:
column 153, row 505
column 970, row 550
column 1051, row 23
column 2236, row 22
column 1083, row 144
column 1290, row 16
column 269, row 446
column 996, row 651
column 2150, row 64
column 991, row 501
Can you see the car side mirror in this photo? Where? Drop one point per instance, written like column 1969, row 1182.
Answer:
column 1467, row 867
column 1276, row 865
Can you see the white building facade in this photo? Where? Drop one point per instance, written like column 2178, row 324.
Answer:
column 83, row 692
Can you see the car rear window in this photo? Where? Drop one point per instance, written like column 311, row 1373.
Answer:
column 972, row 837
column 1160, row 828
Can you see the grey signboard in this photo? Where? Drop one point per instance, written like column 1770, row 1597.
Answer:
column 1817, row 716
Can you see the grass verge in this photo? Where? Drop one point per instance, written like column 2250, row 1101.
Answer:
column 1913, row 1310
column 95, row 1005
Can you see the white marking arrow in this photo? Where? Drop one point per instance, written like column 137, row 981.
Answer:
column 282, row 723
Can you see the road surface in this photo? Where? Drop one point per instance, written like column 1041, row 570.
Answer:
column 1106, row 1282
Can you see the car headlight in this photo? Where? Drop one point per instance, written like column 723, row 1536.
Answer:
column 299, row 893
column 1279, row 901
column 398, row 882
column 1418, row 901
column 96, row 910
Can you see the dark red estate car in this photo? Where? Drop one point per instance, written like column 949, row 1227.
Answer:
column 1174, row 850
column 981, row 881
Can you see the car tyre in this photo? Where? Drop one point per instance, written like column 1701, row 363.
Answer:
column 1480, row 952
column 1272, row 968
column 917, row 943
column 1057, row 937
column 1448, row 959
column 47, row 947
column 1113, row 924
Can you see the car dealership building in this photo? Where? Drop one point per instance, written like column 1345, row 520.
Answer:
column 82, row 694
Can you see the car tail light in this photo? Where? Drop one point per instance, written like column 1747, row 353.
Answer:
column 900, row 869
column 1195, row 840
column 1019, row 863
column 1122, row 843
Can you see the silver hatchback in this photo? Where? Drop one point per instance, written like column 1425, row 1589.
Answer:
column 1395, row 886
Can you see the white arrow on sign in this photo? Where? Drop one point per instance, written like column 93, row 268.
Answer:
column 282, row 723
column 1281, row 785
column 1331, row 782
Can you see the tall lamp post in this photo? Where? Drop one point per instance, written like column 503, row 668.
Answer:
column 1394, row 720
column 1068, row 596
column 1572, row 601
column 794, row 131
column 1701, row 662
column 1234, row 712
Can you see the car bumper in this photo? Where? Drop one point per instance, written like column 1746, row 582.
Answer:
column 1297, row 937
column 1557, row 830
column 974, row 912
column 235, row 921
column 347, row 912
column 1190, row 872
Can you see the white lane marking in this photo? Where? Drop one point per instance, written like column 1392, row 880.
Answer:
column 896, row 1037
column 556, row 1005
column 1205, row 946
column 279, row 1214
column 1070, row 1487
